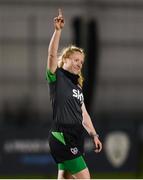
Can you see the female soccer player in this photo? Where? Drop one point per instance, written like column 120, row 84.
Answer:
column 69, row 113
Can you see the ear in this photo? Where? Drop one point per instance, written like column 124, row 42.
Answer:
column 64, row 60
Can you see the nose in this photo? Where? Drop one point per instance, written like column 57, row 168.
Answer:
column 79, row 65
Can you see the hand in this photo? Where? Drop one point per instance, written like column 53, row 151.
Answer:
column 98, row 144
column 59, row 21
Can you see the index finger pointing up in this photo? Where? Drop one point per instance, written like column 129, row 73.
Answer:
column 60, row 13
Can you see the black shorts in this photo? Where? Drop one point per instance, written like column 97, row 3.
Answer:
column 67, row 150
column 66, row 145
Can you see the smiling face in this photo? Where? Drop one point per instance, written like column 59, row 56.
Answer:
column 74, row 62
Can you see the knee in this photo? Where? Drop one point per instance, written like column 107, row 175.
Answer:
column 64, row 175
column 84, row 174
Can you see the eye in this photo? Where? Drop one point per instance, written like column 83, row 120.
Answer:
column 76, row 60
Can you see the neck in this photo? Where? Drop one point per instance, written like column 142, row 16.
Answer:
column 67, row 70
column 71, row 76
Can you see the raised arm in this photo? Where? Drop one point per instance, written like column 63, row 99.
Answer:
column 87, row 124
column 54, row 43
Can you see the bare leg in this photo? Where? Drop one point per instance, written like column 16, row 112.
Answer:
column 84, row 174
column 62, row 174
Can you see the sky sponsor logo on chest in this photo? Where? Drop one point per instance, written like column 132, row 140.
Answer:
column 78, row 95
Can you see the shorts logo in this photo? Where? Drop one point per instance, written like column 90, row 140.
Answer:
column 74, row 150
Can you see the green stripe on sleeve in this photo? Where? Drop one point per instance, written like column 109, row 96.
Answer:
column 50, row 77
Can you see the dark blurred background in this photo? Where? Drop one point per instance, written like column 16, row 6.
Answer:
column 111, row 32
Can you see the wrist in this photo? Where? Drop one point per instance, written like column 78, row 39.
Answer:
column 94, row 135
column 58, row 30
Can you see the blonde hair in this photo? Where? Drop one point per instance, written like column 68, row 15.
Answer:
column 65, row 53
